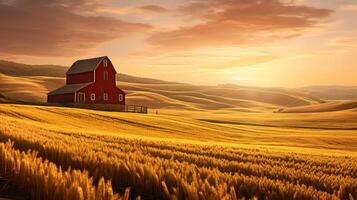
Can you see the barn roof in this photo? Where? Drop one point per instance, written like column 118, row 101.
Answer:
column 67, row 89
column 86, row 65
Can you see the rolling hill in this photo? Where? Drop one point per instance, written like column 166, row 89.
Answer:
column 3, row 98
column 331, row 92
column 17, row 69
column 218, row 97
column 32, row 82
column 323, row 107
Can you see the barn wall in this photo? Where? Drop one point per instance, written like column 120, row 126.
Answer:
column 61, row 98
column 99, row 90
column 102, row 86
column 99, row 75
column 85, row 77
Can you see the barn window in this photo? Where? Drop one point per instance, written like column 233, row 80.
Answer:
column 105, row 96
column 105, row 63
column 120, row 97
column 92, row 97
column 105, row 74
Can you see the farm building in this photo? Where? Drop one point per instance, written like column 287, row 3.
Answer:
column 89, row 81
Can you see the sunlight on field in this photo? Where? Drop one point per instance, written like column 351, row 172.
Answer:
column 183, row 129
column 176, row 156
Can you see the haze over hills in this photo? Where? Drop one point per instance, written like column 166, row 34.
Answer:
column 32, row 82
column 332, row 92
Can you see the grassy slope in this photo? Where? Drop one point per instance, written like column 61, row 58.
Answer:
column 29, row 88
column 339, row 120
column 178, row 129
column 324, row 107
column 215, row 97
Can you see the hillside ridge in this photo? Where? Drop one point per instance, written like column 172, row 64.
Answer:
column 32, row 83
column 323, row 107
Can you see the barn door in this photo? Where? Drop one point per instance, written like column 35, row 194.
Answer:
column 81, row 98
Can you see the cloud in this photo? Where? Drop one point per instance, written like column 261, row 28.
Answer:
column 152, row 9
column 238, row 22
column 58, row 27
column 349, row 7
column 131, row 10
column 245, row 61
column 343, row 42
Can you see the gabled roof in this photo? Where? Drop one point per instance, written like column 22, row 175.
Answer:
column 67, row 89
column 86, row 65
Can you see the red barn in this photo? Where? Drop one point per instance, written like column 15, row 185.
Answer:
column 89, row 81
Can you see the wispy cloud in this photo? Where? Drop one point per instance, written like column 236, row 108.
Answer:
column 343, row 43
column 58, row 27
column 127, row 10
column 244, row 61
column 349, row 7
column 152, row 8
column 238, row 22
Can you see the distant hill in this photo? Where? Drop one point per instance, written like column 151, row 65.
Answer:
column 17, row 69
column 4, row 99
column 213, row 97
column 134, row 79
column 32, row 82
column 331, row 92
column 323, row 107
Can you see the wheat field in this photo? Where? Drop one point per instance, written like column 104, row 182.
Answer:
column 89, row 154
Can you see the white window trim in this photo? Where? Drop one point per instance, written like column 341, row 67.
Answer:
column 120, row 97
column 92, row 96
column 105, row 96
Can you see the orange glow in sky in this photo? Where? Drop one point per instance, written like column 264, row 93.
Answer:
column 280, row 43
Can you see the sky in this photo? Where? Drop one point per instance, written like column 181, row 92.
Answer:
column 269, row 43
